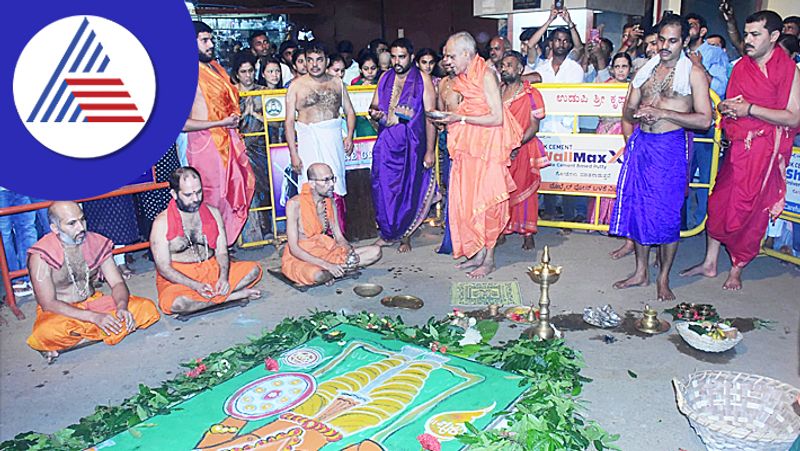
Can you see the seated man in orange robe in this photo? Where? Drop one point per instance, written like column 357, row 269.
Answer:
column 63, row 265
column 316, row 251
column 189, row 247
column 481, row 135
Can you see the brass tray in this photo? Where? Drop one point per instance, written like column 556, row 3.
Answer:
column 663, row 326
column 367, row 290
column 403, row 301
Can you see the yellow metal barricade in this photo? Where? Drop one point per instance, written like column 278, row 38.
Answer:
column 794, row 218
column 594, row 224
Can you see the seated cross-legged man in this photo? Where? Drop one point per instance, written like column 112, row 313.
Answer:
column 64, row 265
column 189, row 245
column 317, row 252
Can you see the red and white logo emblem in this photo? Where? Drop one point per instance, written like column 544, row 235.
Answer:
column 87, row 96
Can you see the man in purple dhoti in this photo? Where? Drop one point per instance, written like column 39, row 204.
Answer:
column 668, row 95
column 403, row 184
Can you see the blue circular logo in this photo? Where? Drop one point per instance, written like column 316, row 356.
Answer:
column 98, row 92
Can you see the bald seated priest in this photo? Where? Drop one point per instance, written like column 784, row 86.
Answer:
column 64, row 265
column 317, row 252
column 189, row 246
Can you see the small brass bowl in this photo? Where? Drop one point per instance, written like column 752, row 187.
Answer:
column 367, row 290
column 403, row 301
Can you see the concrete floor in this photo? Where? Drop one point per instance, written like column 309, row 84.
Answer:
column 35, row 396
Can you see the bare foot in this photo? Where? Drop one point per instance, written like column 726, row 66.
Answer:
column 528, row 243
column 382, row 243
column 473, row 262
column 734, row 281
column 251, row 293
column 700, row 270
column 624, row 250
column 405, row 246
column 501, row 239
column 481, row 272
column 564, row 232
column 635, row 280
column 663, row 291
column 49, row 356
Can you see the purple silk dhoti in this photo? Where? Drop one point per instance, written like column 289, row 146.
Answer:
column 402, row 189
column 651, row 187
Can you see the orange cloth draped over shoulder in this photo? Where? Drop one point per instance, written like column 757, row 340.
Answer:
column 524, row 202
column 480, row 181
column 317, row 243
column 207, row 271
column 55, row 332
column 219, row 153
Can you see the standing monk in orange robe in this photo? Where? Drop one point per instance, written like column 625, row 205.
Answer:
column 64, row 265
column 527, row 106
column 317, row 251
column 481, row 135
column 761, row 118
column 215, row 147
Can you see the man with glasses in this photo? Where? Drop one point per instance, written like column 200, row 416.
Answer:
column 317, row 252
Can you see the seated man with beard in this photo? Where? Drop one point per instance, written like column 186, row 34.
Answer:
column 64, row 265
column 189, row 247
column 316, row 251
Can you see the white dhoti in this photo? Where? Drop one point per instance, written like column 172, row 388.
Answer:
column 321, row 142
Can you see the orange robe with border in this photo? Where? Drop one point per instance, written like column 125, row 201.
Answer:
column 317, row 243
column 206, row 271
column 524, row 201
column 55, row 332
column 480, row 182
column 219, row 153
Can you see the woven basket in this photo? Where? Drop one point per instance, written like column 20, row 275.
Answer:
column 704, row 342
column 738, row 411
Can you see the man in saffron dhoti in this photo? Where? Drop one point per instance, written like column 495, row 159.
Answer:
column 527, row 106
column 64, row 265
column 215, row 148
column 667, row 95
column 403, row 185
column 317, row 251
column 313, row 102
column 481, row 135
column 761, row 118
column 193, row 271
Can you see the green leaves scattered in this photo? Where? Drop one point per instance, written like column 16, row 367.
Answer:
column 547, row 417
column 632, row 374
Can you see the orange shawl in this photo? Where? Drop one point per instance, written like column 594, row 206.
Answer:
column 222, row 100
column 95, row 247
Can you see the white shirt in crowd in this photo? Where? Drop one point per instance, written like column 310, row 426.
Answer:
column 569, row 72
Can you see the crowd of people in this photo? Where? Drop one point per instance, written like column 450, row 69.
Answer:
column 485, row 112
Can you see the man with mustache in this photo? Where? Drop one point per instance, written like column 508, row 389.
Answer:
column 313, row 102
column 403, row 185
column 215, row 148
column 317, row 252
column 761, row 118
column 668, row 95
column 188, row 242
column 64, row 265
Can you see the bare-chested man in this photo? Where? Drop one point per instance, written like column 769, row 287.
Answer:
column 188, row 243
column 668, row 94
column 313, row 102
column 215, row 148
column 317, row 251
column 498, row 46
column 64, row 265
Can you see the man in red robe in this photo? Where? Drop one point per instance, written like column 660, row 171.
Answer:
column 527, row 106
column 215, row 147
column 761, row 118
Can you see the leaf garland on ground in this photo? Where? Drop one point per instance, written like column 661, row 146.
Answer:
column 547, row 417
